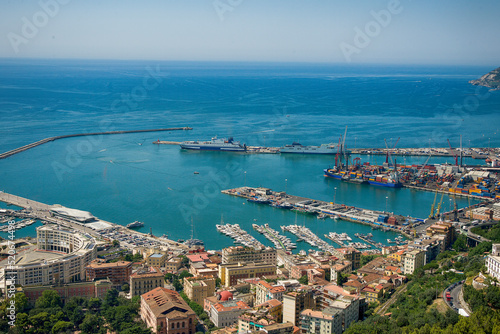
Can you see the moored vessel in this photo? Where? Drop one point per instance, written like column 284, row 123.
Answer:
column 215, row 144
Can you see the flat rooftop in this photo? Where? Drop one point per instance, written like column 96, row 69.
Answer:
column 31, row 255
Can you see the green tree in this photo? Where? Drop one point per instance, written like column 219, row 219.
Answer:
column 177, row 285
column 125, row 287
column 62, row 326
column 116, row 243
column 48, row 299
column 184, row 274
column 21, row 301
column 341, row 279
column 303, row 280
column 92, row 324
column 41, row 322
column 94, row 304
column 367, row 258
column 460, row 244
column 111, row 298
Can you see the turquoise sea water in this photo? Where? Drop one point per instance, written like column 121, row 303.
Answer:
column 122, row 178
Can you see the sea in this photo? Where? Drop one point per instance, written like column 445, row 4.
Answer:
column 127, row 177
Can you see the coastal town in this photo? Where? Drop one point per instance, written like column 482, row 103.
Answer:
column 245, row 288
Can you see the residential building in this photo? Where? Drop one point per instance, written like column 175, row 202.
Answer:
column 117, row 272
column 413, row 260
column 230, row 273
column 95, row 289
column 343, row 267
column 265, row 291
column 332, row 292
column 60, row 258
column 165, row 312
column 157, row 259
column 246, row 325
column 295, row 302
column 242, row 254
column 442, row 228
column 261, row 316
column 430, row 245
column 372, row 294
column 226, row 313
column 350, row 254
column 199, row 288
column 493, row 262
column 349, row 307
column 173, row 264
column 327, row 321
column 143, row 281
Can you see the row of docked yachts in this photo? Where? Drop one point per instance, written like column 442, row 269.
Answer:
column 17, row 225
column 279, row 241
column 304, row 234
column 239, row 235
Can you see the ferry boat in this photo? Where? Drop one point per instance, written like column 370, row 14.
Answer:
column 301, row 149
column 216, row 144
column 135, row 224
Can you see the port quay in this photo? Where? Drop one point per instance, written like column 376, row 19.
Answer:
column 82, row 221
column 376, row 219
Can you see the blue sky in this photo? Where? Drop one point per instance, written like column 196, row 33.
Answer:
column 417, row 32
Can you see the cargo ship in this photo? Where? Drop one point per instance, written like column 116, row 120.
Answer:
column 347, row 176
column 216, row 144
column 391, row 180
column 297, row 148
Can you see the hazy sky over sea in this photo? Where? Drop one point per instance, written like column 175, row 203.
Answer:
column 365, row 31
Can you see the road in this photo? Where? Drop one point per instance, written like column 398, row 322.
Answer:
column 457, row 302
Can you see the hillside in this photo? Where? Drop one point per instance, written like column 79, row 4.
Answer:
column 491, row 80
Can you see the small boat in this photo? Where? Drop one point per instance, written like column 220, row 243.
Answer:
column 321, row 216
column 196, row 172
column 135, row 224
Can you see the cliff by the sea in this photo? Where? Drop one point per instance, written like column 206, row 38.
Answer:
column 491, row 80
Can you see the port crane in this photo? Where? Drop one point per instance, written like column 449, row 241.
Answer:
column 421, row 170
column 431, row 215
column 388, row 153
column 438, row 210
column 451, row 151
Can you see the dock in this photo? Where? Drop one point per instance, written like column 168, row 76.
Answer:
column 50, row 139
column 332, row 210
column 239, row 235
column 305, row 234
column 279, row 241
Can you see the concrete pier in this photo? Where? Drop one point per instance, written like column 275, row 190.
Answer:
column 46, row 140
